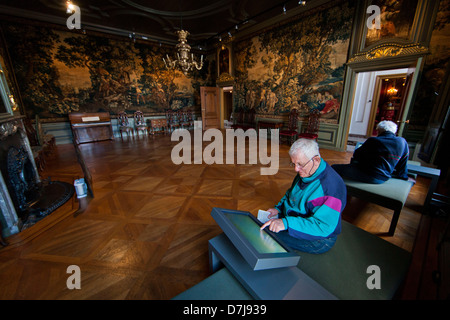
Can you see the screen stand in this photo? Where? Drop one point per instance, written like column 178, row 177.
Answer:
column 288, row 283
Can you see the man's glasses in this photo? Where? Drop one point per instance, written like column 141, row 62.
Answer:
column 298, row 165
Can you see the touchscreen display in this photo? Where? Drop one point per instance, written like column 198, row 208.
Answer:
column 260, row 239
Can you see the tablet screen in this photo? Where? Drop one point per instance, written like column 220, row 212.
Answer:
column 260, row 239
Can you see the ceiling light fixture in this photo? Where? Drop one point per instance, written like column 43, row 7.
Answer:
column 184, row 62
column 70, row 6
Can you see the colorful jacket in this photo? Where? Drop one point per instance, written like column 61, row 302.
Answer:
column 311, row 208
column 383, row 157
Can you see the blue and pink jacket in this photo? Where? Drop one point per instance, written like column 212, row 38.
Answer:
column 311, row 208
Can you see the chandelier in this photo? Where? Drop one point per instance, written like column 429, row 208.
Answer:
column 184, row 62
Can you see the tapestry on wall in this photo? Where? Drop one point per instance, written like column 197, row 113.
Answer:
column 60, row 72
column 297, row 65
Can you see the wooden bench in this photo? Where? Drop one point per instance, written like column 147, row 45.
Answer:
column 343, row 271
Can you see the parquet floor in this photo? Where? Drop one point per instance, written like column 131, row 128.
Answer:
column 144, row 234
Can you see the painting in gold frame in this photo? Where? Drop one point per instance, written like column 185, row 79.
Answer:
column 396, row 20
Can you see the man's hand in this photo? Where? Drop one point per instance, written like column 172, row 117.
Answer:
column 275, row 225
column 273, row 213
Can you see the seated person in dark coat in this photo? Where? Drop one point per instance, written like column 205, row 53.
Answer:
column 379, row 158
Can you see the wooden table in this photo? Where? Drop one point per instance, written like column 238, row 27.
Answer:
column 268, row 124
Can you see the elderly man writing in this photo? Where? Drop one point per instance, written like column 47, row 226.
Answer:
column 310, row 211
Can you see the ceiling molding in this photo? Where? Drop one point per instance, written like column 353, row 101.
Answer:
column 205, row 20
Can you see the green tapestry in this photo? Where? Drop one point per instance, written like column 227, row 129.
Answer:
column 299, row 64
column 61, row 71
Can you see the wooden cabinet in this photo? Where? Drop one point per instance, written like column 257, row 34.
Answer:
column 91, row 127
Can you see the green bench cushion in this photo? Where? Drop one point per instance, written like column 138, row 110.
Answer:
column 221, row 285
column 391, row 194
column 342, row 270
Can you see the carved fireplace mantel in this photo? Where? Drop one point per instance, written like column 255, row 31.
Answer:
column 9, row 219
column 24, row 198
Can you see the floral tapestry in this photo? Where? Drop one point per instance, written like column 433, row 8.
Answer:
column 296, row 65
column 60, row 72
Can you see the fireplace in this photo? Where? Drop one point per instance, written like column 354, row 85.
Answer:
column 24, row 198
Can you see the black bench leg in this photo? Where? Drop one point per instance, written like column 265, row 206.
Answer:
column 394, row 222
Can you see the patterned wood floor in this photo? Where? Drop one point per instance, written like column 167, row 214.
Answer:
column 144, row 235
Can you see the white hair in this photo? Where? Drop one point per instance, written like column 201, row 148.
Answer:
column 308, row 147
column 386, row 125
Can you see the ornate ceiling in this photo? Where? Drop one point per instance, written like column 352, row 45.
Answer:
column 206, row 20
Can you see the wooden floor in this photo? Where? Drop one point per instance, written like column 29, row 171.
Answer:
column 145, row 233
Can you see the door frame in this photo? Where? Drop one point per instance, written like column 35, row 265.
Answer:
column 376, row 98
column 415, row 61
column 218, row 103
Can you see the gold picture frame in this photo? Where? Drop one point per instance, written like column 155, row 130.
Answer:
column 395, row 21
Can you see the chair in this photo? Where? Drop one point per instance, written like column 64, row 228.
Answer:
column 139, row 123
column 249, row 119
column 291, row 132
column 163, row 125
column 245, row 119
column 47, row 141
column 173, row 119
column 184, row 119
column 122, row 122
column 36, row 148
column 312, row 130
column 191, row 118
column 238, row 119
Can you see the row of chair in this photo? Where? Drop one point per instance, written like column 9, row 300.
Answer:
column 246, row 120
column 312, row 129
column 243, row 120
column 172, row 121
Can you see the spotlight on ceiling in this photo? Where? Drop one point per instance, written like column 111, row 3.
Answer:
column 70, row 6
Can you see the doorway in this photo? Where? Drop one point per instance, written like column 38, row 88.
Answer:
column 227, row 103
column 388, row 101
column 376, row 93
column 210, row 106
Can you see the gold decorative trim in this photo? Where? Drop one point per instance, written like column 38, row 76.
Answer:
column 389, row 50
column 9, row 126
column 224, row 77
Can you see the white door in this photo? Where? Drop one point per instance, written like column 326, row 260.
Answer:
column 363, row 98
